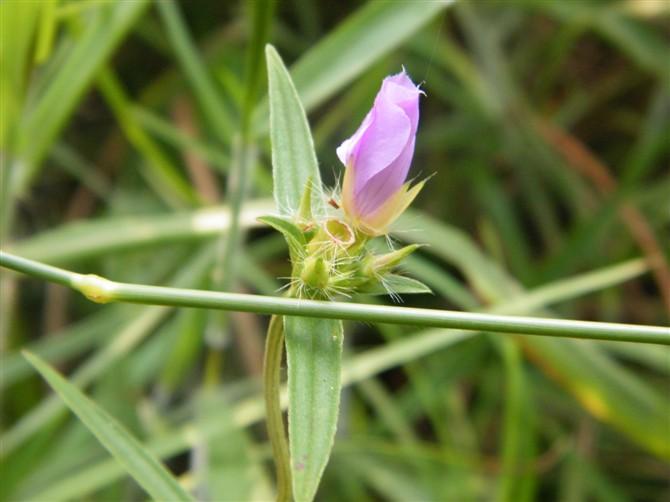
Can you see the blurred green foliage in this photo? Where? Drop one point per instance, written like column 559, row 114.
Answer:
column 545, row 127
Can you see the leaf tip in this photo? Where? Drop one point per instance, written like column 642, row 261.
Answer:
column 270, row 52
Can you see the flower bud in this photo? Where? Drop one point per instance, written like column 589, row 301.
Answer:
column 382, row 264
column 378, row 156
column 315, row 272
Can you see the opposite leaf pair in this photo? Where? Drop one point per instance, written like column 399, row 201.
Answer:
column 332, row 254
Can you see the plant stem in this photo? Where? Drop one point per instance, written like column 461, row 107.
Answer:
column 102, row 290
column 244, row 158
column 274, row 349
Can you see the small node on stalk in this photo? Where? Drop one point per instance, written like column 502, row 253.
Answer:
column 95, row 288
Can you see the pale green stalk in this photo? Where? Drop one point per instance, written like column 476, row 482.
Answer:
column 103, row 290
column 356, row 369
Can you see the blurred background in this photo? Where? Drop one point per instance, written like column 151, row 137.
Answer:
column 546, row 130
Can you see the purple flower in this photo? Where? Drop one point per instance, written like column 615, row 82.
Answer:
column 378, row 156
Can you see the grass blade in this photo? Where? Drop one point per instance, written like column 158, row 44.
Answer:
column 18, row 23
column 107, row 235
column 365, row 37
column 97, row 42
column 161, row 174
column 125, row 340
column 139, row 463
column 212, row 104
column 603, row 387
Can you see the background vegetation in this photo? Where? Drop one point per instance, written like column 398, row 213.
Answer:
column 545, row 127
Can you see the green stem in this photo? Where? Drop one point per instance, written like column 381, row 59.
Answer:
column 102, row 290
column 274, row 349
column 37, row 269
column 244, row 152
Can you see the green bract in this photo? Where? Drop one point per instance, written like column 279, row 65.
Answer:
column 329, row 259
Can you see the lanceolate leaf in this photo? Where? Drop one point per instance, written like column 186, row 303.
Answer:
column 313, row 346
column 294, row 163
column 314, row 356
column 295, row 239
column 139, row 463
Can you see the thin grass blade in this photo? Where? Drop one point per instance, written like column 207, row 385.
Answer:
column 139, row 463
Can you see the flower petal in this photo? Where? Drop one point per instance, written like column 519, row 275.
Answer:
column 384, row 184
column 381, row 143
column 346, row 149
column 379, row 154
column 378, row 222
column 400, row 90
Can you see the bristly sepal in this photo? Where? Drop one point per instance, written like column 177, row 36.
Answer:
column 295, row 237
column 393, row 285
column 329, row 259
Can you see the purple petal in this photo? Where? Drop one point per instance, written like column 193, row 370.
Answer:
column 382, row 142
column 401, row 90
column 384, row 184
column 346, row 149
column 379, row 154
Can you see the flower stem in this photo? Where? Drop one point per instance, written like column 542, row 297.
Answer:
column 274, row 349
column 103, row 290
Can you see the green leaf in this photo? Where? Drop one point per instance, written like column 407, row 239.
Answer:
column 360, row 41
column 314, row 358
column 294, row 163
column 18, row 23
column 294, row 237
column 103, row 31
column 353, row 47
column 86, row 238
column 139, row 463
column 604, row 387
column 188, row 55
column 394, row 284
column 159, row 171
column 45, row 36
